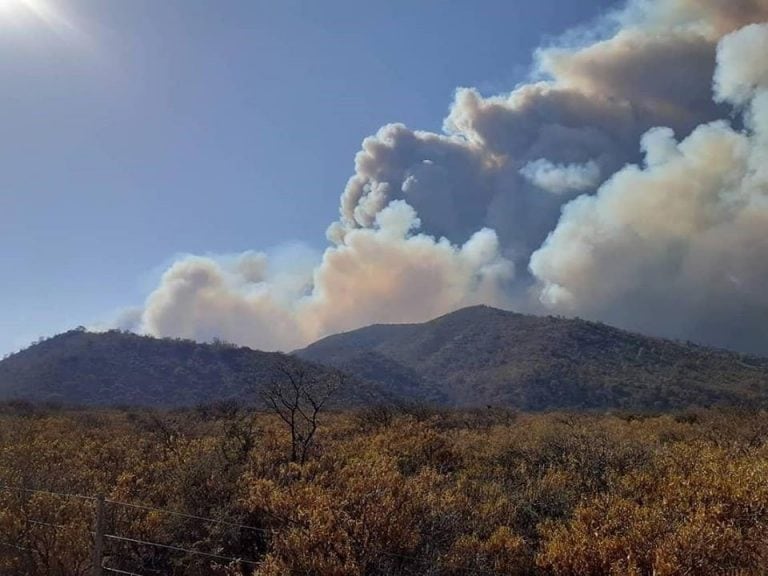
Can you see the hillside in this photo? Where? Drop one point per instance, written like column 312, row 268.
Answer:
column 481, row 356
column 113, row 368
column 473, row 357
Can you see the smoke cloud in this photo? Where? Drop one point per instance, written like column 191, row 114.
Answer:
column 679, row 244
column 625, row 182
column 559, row 178
column 387, row 270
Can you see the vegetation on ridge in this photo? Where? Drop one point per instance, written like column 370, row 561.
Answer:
column 474, row 357
column 482, row 356
column 120, row 368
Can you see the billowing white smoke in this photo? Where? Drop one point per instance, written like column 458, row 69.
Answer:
column 383, row 272
column 672, row 247
column 680, row 244
column 560, row 178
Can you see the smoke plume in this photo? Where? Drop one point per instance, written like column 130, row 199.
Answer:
column 385, row 271
column 626, row 182
column 679, row 244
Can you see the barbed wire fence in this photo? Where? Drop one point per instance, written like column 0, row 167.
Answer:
column 100, row 536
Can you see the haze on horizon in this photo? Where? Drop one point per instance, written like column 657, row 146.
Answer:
column 175, row 169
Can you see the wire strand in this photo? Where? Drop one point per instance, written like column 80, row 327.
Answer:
column 17, row 547
column 46, row 524
column 138, row 506
column 179, row 549
column 117, row 571
column 47, row 492
column 190, row 516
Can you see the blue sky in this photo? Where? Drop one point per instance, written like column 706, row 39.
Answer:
column 148, row 129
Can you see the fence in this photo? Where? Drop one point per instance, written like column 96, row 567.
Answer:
column 100, row 535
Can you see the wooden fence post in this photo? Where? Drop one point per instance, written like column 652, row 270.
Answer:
column 98, row 537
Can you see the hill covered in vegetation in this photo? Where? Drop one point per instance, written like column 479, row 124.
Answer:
column 481, row 355
column 112, row 368
column 473, row 357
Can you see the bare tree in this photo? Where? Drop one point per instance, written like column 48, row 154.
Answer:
column 297, row 398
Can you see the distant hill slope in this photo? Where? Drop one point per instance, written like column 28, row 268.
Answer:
column 114, row 368
column 481, row 355
column 473, row 357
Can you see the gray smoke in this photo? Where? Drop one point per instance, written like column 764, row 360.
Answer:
column 678, row 245
column 433, row 221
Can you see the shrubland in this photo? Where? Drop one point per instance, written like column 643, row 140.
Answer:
column 385, row 491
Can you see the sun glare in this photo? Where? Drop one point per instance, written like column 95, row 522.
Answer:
column 8, row 7
column 36, row 12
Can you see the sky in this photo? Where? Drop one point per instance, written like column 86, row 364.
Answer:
column 136, row 131
column 272, row 173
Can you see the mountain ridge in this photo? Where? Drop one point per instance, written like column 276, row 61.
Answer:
column 482, row 355
column 115, row 367
column 475, row 356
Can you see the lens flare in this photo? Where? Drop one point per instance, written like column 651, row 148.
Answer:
column 28, row 13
